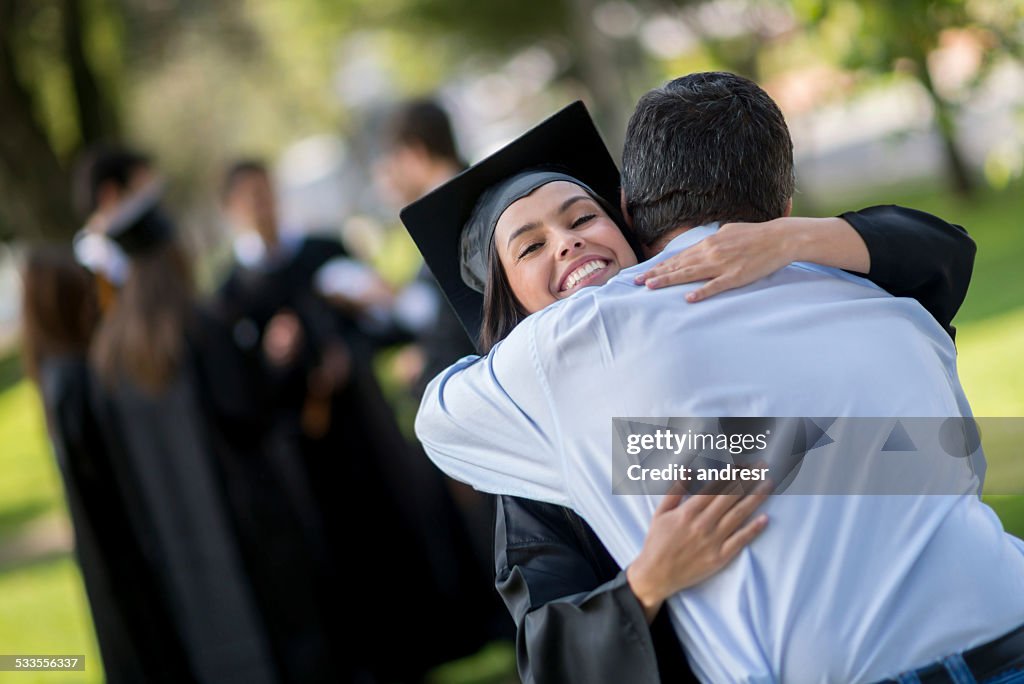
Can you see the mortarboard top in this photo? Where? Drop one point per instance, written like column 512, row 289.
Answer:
column 139, row 225
column 567, row 141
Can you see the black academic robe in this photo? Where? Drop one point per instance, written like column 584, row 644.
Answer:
column 164, row 461
column 577, row 619
column 280, row 535
column 138, row 639
column 918, row 255
column 444, row 342
column 384, row 508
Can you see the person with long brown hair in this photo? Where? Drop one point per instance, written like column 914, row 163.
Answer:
column 157, row 429
column 141, row 334
column 59, row 308
column 175, row 367
column 134, row 629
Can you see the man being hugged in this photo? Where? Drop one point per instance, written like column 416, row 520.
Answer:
column 838, row 588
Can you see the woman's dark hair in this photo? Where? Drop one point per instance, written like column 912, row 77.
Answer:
column 502, row 310
column 102, row 164
column 142, row 337
column 59, row 307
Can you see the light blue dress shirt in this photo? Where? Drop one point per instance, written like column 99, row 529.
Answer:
column 838, row 588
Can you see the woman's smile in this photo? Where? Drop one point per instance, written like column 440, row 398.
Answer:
column 557, row 240
column 583, row 272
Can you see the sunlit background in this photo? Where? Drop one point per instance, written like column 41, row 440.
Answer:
column 915, row 102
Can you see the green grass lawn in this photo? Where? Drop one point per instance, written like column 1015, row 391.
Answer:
column 43, row 608
column 993, row 220
column 45, row 613
column 990, row 326
column 30, row 485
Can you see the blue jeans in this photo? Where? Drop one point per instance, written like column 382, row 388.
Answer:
column 958, row 673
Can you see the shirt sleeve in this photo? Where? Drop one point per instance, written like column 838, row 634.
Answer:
column 917, row 255
column 486, row 421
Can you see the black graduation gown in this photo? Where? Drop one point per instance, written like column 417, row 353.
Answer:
column 163, row 458
column 280, row 534
column 444, row 342
column 385, row 509
column 577, row 618
column 138, row 639
column 918, row 255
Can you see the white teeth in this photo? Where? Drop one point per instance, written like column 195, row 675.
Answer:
column 582, row 272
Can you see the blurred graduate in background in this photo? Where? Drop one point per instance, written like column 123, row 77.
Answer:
column 397, row 549
column 150, row 405
column 419, row 154
column 137, row 635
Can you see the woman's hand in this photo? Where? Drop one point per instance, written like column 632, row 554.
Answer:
column 690, row 540
column 740, row 253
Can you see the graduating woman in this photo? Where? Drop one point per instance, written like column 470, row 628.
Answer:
column 581, row 617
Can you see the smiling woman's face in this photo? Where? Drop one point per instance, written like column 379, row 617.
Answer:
column 557, row 240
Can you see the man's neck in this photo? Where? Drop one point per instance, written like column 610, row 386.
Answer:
column 659, row 245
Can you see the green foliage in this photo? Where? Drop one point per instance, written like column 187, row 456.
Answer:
column 993, row 220
column 909, row 30
column 1011, row 511
column 41, row 64
column 40, row 49
column 880, row 32
column 497, row 25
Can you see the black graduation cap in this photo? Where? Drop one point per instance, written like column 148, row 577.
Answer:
column 566, row 142
column 139, row 224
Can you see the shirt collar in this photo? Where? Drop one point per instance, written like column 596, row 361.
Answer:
column 251, row 252
column 687, row 238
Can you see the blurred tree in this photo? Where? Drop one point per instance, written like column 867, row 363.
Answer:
column 51, row 103
column 97, row 114
column 909, row 36
column 77, row 72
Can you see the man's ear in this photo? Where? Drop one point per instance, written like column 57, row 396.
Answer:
column 789, row 207
column 624, row 208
